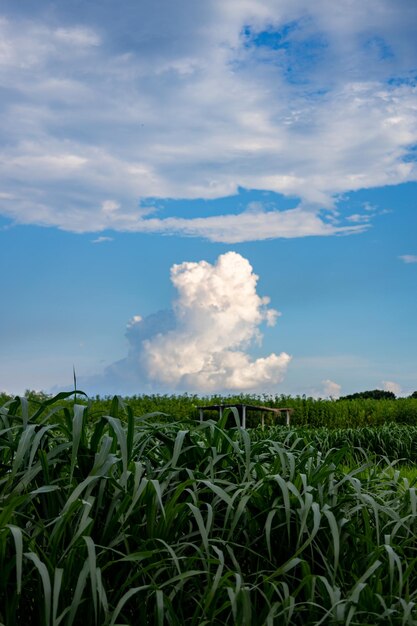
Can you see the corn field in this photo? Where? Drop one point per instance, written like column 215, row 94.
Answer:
column 114, row 518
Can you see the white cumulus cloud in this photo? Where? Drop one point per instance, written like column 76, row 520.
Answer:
column 299, row 98
column 203, row 344
column 389, row 385
column 331, row 389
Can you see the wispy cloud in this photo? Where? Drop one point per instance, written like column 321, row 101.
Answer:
column 218, row 96
column 102, row 239
column 203, row 343
column 245, row 226
column 357, row 218
column 408, row 258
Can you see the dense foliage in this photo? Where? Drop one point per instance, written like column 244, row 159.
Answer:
column 305, row 411
column 392, row 442
column 118, row 519
column 375, row 394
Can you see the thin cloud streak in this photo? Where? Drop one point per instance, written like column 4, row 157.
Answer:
column 245, row 226
column 102, row 239
column 408, row 258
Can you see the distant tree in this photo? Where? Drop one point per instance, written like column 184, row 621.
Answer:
column 375, row 394
column 36, row 396
column 4, row 397
column 414, row 395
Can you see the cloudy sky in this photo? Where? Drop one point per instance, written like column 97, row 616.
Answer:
column 212, row 196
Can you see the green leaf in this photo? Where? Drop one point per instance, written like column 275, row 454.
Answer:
column 77, row 431
column 18, row 542
column 46, row 583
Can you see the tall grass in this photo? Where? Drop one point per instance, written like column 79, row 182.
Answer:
column 309, row 412
column 118, row 519
column 392, row 442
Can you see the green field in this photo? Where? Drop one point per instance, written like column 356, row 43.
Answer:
column 114, row 513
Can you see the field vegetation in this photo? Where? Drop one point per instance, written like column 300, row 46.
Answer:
column 111, row 515
column 365, row 409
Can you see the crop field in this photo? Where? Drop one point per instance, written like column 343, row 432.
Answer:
column 112, row 515
column 306, row 411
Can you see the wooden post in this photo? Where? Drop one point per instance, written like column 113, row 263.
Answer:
column 287, row 418
column 263, row 421
column 243, row 416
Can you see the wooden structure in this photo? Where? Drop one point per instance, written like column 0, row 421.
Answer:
column 244, row 408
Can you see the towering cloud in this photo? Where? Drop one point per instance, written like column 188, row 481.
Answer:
column 202, row 344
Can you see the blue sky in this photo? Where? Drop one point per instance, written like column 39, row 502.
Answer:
column 156, row 158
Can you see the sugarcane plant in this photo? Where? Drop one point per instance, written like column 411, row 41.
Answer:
column 113, row 518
